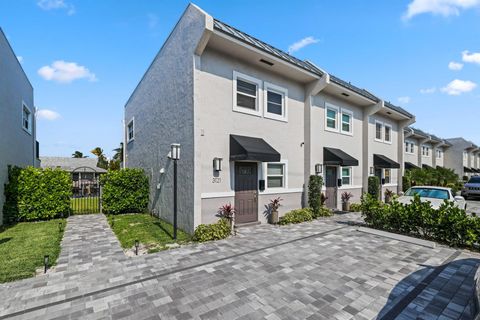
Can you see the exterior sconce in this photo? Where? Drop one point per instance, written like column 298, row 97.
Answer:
column 175, row 151
column 371, row 170
column 318, row 169
column 217, row 164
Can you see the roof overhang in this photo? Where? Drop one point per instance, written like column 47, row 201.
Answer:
column 344, row 93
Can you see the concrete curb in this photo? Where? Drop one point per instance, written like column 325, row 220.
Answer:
column 399, row 237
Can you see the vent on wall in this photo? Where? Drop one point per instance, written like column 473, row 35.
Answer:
column 266, row 62
column 345, row 94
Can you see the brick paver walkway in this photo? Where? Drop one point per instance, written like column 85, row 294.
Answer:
column 319, row 270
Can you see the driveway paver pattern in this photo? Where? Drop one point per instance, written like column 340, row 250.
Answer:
column 319, row 270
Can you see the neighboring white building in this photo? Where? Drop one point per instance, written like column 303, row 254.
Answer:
column 272, row 119
column 462, row 157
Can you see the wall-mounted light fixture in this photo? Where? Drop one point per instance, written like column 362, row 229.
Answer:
column 217, row 164
column 371, row 170
column 318, row 168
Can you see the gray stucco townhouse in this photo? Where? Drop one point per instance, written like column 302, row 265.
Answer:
column 17, row 121
column 463, row 157
column 423, row 150
column 271, row 119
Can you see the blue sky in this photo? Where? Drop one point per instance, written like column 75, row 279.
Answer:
column 84, row 58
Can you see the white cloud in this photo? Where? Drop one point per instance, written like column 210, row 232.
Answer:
column 56, row 4
column 455, row 66
column 404, row 100
column 473, row 57
column 428, row 90
column 438, row 7
column 47, row 114
column 65, row 72
column 302, row 44
column 20, row 59
column 152, row 20
column 457, row 87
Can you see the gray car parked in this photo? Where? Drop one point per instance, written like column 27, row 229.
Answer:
column 472, row 188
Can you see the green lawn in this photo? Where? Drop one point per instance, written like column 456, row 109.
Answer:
column 85, row 205
column 23, row 246
column 149, row 231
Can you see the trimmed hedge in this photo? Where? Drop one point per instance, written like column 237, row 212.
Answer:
column 374, row 186
column 297, row 216
column 42, row 194
column 315, row 193
column 10, row 206
column 216, row 231
column 125, row 191
column 448, row 224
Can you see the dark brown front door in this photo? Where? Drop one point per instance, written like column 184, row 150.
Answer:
column 331, row 187
column 246, row 192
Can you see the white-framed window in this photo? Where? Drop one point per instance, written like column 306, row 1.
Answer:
column 387, row 175
column 439, row 154
column 378, row 131
column 26, row 118
column 246, row 94
column 425, row 151
column 347, row 121
column 346, row 175
column 131, row 130
column 275, row 102
column 331, row 117
column 409, row 147
column 387, row 133
column 276, row 175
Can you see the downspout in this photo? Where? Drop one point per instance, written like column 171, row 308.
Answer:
column 401, row 142
column 367, row 159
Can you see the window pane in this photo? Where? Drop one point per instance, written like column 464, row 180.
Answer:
column 346, row 127
column 275, row 169
column 387, row 133
column 274, row 97
column 331, row 123
column 345, row 172
column 345, row 180
column 246, row 102
column 346, row 118
column 245, row 87
column 332, row 114
column 274, row 108
column 275, row 182
column 379, row 131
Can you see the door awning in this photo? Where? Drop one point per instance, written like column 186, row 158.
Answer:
column 380, row 161
column 467, row 169
column 254, row 149
column 409, row 165
column 426, row 166
column 475, row 170
column 337, row 157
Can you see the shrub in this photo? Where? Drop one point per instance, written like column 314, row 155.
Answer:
column 355, row 207
column 324, row 212
column 226, row 211
column 43, row 193
column 297, row 216
column 215, row 231
column 124, row 191
column 406, row 183
column 374, row 186
column 10, row 206
column 449, row 224
column 315, row 193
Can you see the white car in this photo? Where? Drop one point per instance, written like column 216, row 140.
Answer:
column 434, row 195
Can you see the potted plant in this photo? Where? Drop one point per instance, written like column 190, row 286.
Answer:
column 388, row 195
column 274, row 205
column 346, row 196
column 227, row 211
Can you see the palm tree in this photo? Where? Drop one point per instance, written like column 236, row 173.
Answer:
column 118, row 156
column 102, row 160
column 78, row 154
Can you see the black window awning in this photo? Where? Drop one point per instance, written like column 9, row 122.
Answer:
column 380, row 161
column 409, row 165
column 337, row 157
column 426, row 166
column 475, row 170
column 254, row 149
column 467, row 170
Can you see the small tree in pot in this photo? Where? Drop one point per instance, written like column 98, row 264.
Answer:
column 346, row 196
column 227, row 211
column 274, row 205
column 388, row 195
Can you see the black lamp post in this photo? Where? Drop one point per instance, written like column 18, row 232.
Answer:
column 175, row 156
column 45, row 263
column 136, row 247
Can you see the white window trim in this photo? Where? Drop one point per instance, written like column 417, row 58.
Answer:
column 337, row 124
column 30, row 120
column 285, row 175
column 383, row 176
column 375, row 131
column 351, row 176
column 385, row 133
column 258, row 111
column 427, row 153
column 132, row 121
column 267, row 86
column 350, row 113
column 409, row 143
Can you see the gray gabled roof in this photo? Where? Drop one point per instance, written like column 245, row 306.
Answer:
column 70, row 164
column 305, row 65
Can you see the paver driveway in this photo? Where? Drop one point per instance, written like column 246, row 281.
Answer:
column 325, row 269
